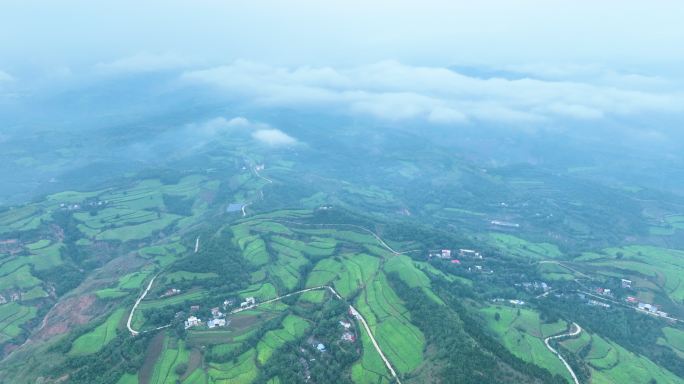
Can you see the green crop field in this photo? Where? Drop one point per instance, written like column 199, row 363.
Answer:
column 12, row 316
column 96, row 339
column 241, row 371
column 38, row 244
column 177, row 299
column 674, row 337
column 111, row 293
column 19, row 278
column 516, row 246
column 370, row 369
column 184, row 275
column 128, row 378
column 260, row 291
column 661, row 267
column 173, row 354
column 388, row 319
column 21, row 218
column 612, row 364
column 292, row 327
column 523, row 335
column 46, row 257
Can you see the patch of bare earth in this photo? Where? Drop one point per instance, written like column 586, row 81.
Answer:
column 151, row 356
column 65, row 315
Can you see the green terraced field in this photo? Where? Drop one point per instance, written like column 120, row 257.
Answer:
column 660, row 266
column 370, row 369
column 293, row 327
column 524, row 335
column 96, row 339
column 173, row 354
column 184, row 275
column 12, row 316
column 390, row 323
column 516, row 246
column 612, row 364
column 241, row 371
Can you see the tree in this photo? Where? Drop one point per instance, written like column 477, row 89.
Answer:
column 181, row 368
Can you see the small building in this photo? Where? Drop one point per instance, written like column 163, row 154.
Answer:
column 516, row 302
column 631, row 299
column 626, row 283
column 455, row 261
column 345, row 324
column 249, row 301
column 194, row 308
column 597, row 303
column 446, row 254
column 192, row 321
column 216, row 323
column 647, row 307
column 469, row 252
column 216, row 312
column 227, row 303
column 171, row 292
column 348, row 336
column 320, row 347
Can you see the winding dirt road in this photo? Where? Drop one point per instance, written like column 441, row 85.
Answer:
column 332, row 290
column 575, row 330
column 135, row 306
column 353, row 310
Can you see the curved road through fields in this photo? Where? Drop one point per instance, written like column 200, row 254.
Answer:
column 135, row 306
column 353, row 310
column 571, row 333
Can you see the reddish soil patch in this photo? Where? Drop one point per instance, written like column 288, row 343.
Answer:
column 65, row 314
column 151, row 356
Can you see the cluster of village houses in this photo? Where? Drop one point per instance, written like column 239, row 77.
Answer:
column 76, row 206
column 448, row 254
column 648, row 308
column 218, row 318
column 641, row 306
column 347, row 335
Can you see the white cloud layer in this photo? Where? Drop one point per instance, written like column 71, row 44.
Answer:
column 260, row 132
column 393, row 91
column 273, row 137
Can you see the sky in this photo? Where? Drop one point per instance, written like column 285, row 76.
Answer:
column 622, row 34
column 547, row 61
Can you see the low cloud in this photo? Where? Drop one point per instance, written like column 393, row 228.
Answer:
column 273, row 137
column 393, row 91
column 260, row 132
